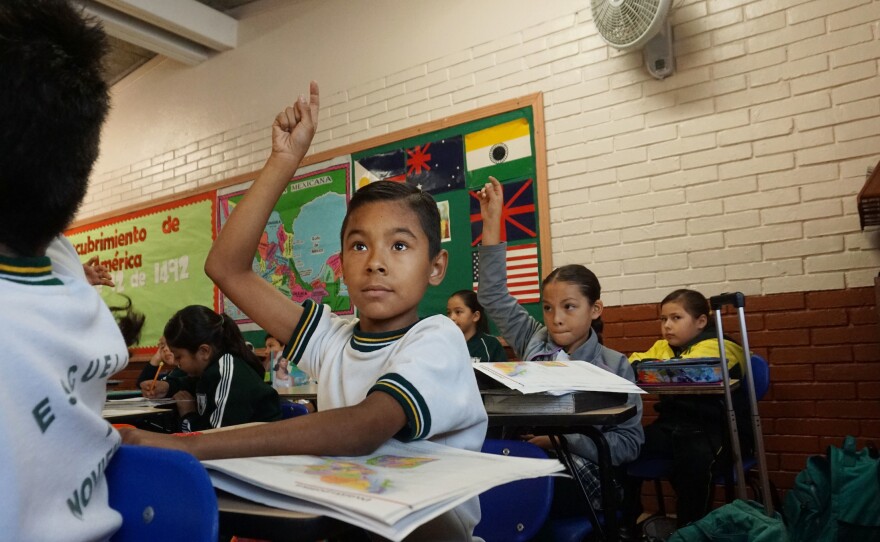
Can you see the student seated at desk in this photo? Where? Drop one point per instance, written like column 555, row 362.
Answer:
column 692, row 429
column 161, row 359
column 467, row 313
column 229, row 387
column 60, row 341
column 388, row 374
column 273, row 348
column 571, row 330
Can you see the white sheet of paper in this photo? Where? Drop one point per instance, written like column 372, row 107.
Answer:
column 555, row 376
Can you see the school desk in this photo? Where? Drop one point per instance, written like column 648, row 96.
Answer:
column 243, row 518
column 305, row 391
column 123, row 394
column 711, row 388
column 150, row 418
column 556, row 426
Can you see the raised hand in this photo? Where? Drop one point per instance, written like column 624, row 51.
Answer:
column 294, row 127
column 491, row 205
column 97, row 274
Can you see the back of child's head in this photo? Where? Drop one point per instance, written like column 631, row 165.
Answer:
column 419, row 202
column 693, row 302
column 587, row 283
column 53, row 102
column 195, row 325
column 469, row 298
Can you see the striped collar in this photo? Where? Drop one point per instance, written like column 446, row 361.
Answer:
column 363, row 341
column 35, row 270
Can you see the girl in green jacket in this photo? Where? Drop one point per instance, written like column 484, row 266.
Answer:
column 229, row 386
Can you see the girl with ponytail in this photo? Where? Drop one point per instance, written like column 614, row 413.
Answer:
column 228, row 387
column 570, row 330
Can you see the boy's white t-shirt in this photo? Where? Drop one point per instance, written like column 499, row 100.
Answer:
column 426, row 368
column 60, row 345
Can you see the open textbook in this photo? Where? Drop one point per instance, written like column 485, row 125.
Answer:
column 390, row 492
column 555, row 377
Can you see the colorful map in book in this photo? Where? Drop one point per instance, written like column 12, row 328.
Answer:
column 299, row 249
column 361, row 477
column 390, row 492
column 516, row 368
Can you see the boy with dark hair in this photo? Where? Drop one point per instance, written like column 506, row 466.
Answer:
column 52, row 104
column 386, row 375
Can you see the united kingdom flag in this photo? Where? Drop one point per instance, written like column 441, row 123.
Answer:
column 517, row 216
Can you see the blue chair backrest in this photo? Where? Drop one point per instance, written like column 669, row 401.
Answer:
column 761, row 375
column 290, row 409
column 162, row 495
column 514, row 512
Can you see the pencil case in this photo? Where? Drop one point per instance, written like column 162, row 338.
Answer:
column 678, row 371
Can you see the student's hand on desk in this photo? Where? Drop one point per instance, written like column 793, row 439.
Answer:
column 186, row 403
column 156, row 390
column 294, row 127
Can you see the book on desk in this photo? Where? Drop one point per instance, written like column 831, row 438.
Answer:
column 390, row 492
column 549, row 387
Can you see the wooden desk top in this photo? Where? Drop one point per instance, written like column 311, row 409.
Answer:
column 306, row 391
column 602, row 416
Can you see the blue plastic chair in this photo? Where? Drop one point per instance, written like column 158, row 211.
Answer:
column 658, row 469
column 289, row 409
column 162, row 495
column 515, row 511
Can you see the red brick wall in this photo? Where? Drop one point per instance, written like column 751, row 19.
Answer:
column 824, row 354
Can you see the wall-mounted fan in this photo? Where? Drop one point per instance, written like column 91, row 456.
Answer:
column 630, row 24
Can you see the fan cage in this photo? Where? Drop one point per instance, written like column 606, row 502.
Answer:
column 627, row 24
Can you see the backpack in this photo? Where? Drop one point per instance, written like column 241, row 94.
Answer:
column 739, row 521
column 836, row 497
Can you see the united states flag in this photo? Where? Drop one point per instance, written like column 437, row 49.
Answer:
column 523, row 279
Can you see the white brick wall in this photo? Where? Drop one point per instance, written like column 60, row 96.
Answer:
column 738, row 172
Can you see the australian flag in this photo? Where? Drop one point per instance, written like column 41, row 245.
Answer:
column 437, row 166
column 518, row 215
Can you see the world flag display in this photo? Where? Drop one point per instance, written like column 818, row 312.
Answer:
column 518, row 216
column 503, row 151
column 437, row 166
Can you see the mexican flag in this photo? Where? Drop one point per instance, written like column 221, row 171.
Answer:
column 503, row 151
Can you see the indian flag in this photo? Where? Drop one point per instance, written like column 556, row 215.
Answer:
column 503, row 151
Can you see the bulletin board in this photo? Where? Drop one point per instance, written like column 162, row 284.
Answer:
column 156, row 252
column 156, row 257
column 452, row 159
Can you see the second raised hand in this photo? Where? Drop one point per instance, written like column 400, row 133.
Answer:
column 491, row 203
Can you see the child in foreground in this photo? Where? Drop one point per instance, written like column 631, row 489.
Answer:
column 692, row 429
column 467, row 313
column 385, row 375
column 229, row 386
column 60, row 341
column 572, row 321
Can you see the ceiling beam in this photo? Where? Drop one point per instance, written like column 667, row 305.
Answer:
column 177, row 37
column 188, row 18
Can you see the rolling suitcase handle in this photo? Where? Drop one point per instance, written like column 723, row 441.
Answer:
column 738, row 300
